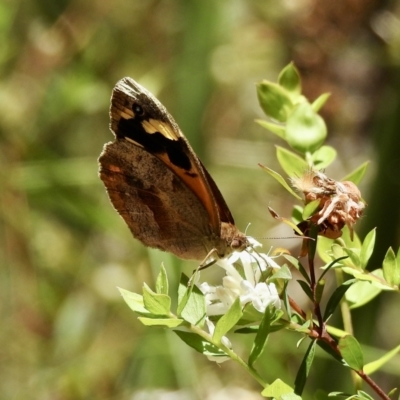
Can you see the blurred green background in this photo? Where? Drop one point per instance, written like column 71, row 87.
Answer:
column 65, row 331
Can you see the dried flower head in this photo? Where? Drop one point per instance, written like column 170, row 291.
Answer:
column 340, row 203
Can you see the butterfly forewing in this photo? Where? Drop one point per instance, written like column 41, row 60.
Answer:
column 157, row 183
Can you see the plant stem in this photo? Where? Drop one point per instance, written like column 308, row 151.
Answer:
column 229, row 352
column 344, row 305
column 373, row 385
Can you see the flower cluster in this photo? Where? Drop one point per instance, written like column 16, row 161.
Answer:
column 248, row 287
column 340, row 203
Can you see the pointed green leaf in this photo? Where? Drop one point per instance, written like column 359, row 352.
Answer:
column 336, row 331
column 329, row 350
column 336, row 297
column 391, row 269
column 228, row 321
column 334, row 264
column 156, row 304
column 297, row 213
column 289, row 78
column 304, row 369
column 367, row 248
column 297, row 264
column 165, row 322
column 281, row 180
column 324, row 157
column 290, row 162
column 277, row 389
column 290, row 396
column 351, row 352
column 305, row 129
column 319, row 290
column 361, row 293
column 282, row 273
column 346, row 237
column 261, row 337
column 199, row 344
column 194, row 310
column 398, row 256
column 306, row 288
column 311, row 208
column 162, row 281
column 357, row 175
column 320, row 101
column 324, row 249
column 363, row 395
column 134, row 301
column 274, row 100
column 373, row 366
column 285, row 221
column 184, row 291
column 353, row 256
column 278, row 130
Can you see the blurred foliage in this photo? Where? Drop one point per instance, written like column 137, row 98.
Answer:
column 66, row 332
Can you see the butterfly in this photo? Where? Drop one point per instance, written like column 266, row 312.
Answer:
column 157, row 183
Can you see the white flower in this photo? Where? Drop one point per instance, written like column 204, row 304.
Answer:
column 220, row 298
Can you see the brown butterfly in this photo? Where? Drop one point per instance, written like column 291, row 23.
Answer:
column 157, row 183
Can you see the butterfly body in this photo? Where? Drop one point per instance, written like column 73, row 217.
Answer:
column 157, row 183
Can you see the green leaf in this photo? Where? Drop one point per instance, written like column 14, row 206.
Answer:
column 320, row 101
column 277, row 389
column 319, row 290
column 165, row 322
column 290, row 396
column 364, row 395
column 194, row 311
column 199, row 344
column 311, row 208
column 281, row 180
column 297, row 264
column 282, row 273
column 346, row 396
column 354, row 257
column 162, row 281
column 134, row 301
column 351, row 352
column 324, row 249
column 336, row 331
column 261, row 337
column 391, row 269
column 367, row 248
column 362, row 292
column 289, row 78
column 398, row 257
column 305, row 129
column 357, row 175
column 278, row 130
column 346, row 237
column 285, row 221
column 324, row 157
column 156, row 304
column 375, row 277
column 373, row 366
column 304, row 369
column 274, row 100
column 297, row 213
column 290, row 162
column 328, row 349
column 228, row 321
column 336, row 297
column 184, row 291
column 306, row 288
column 331, row 265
